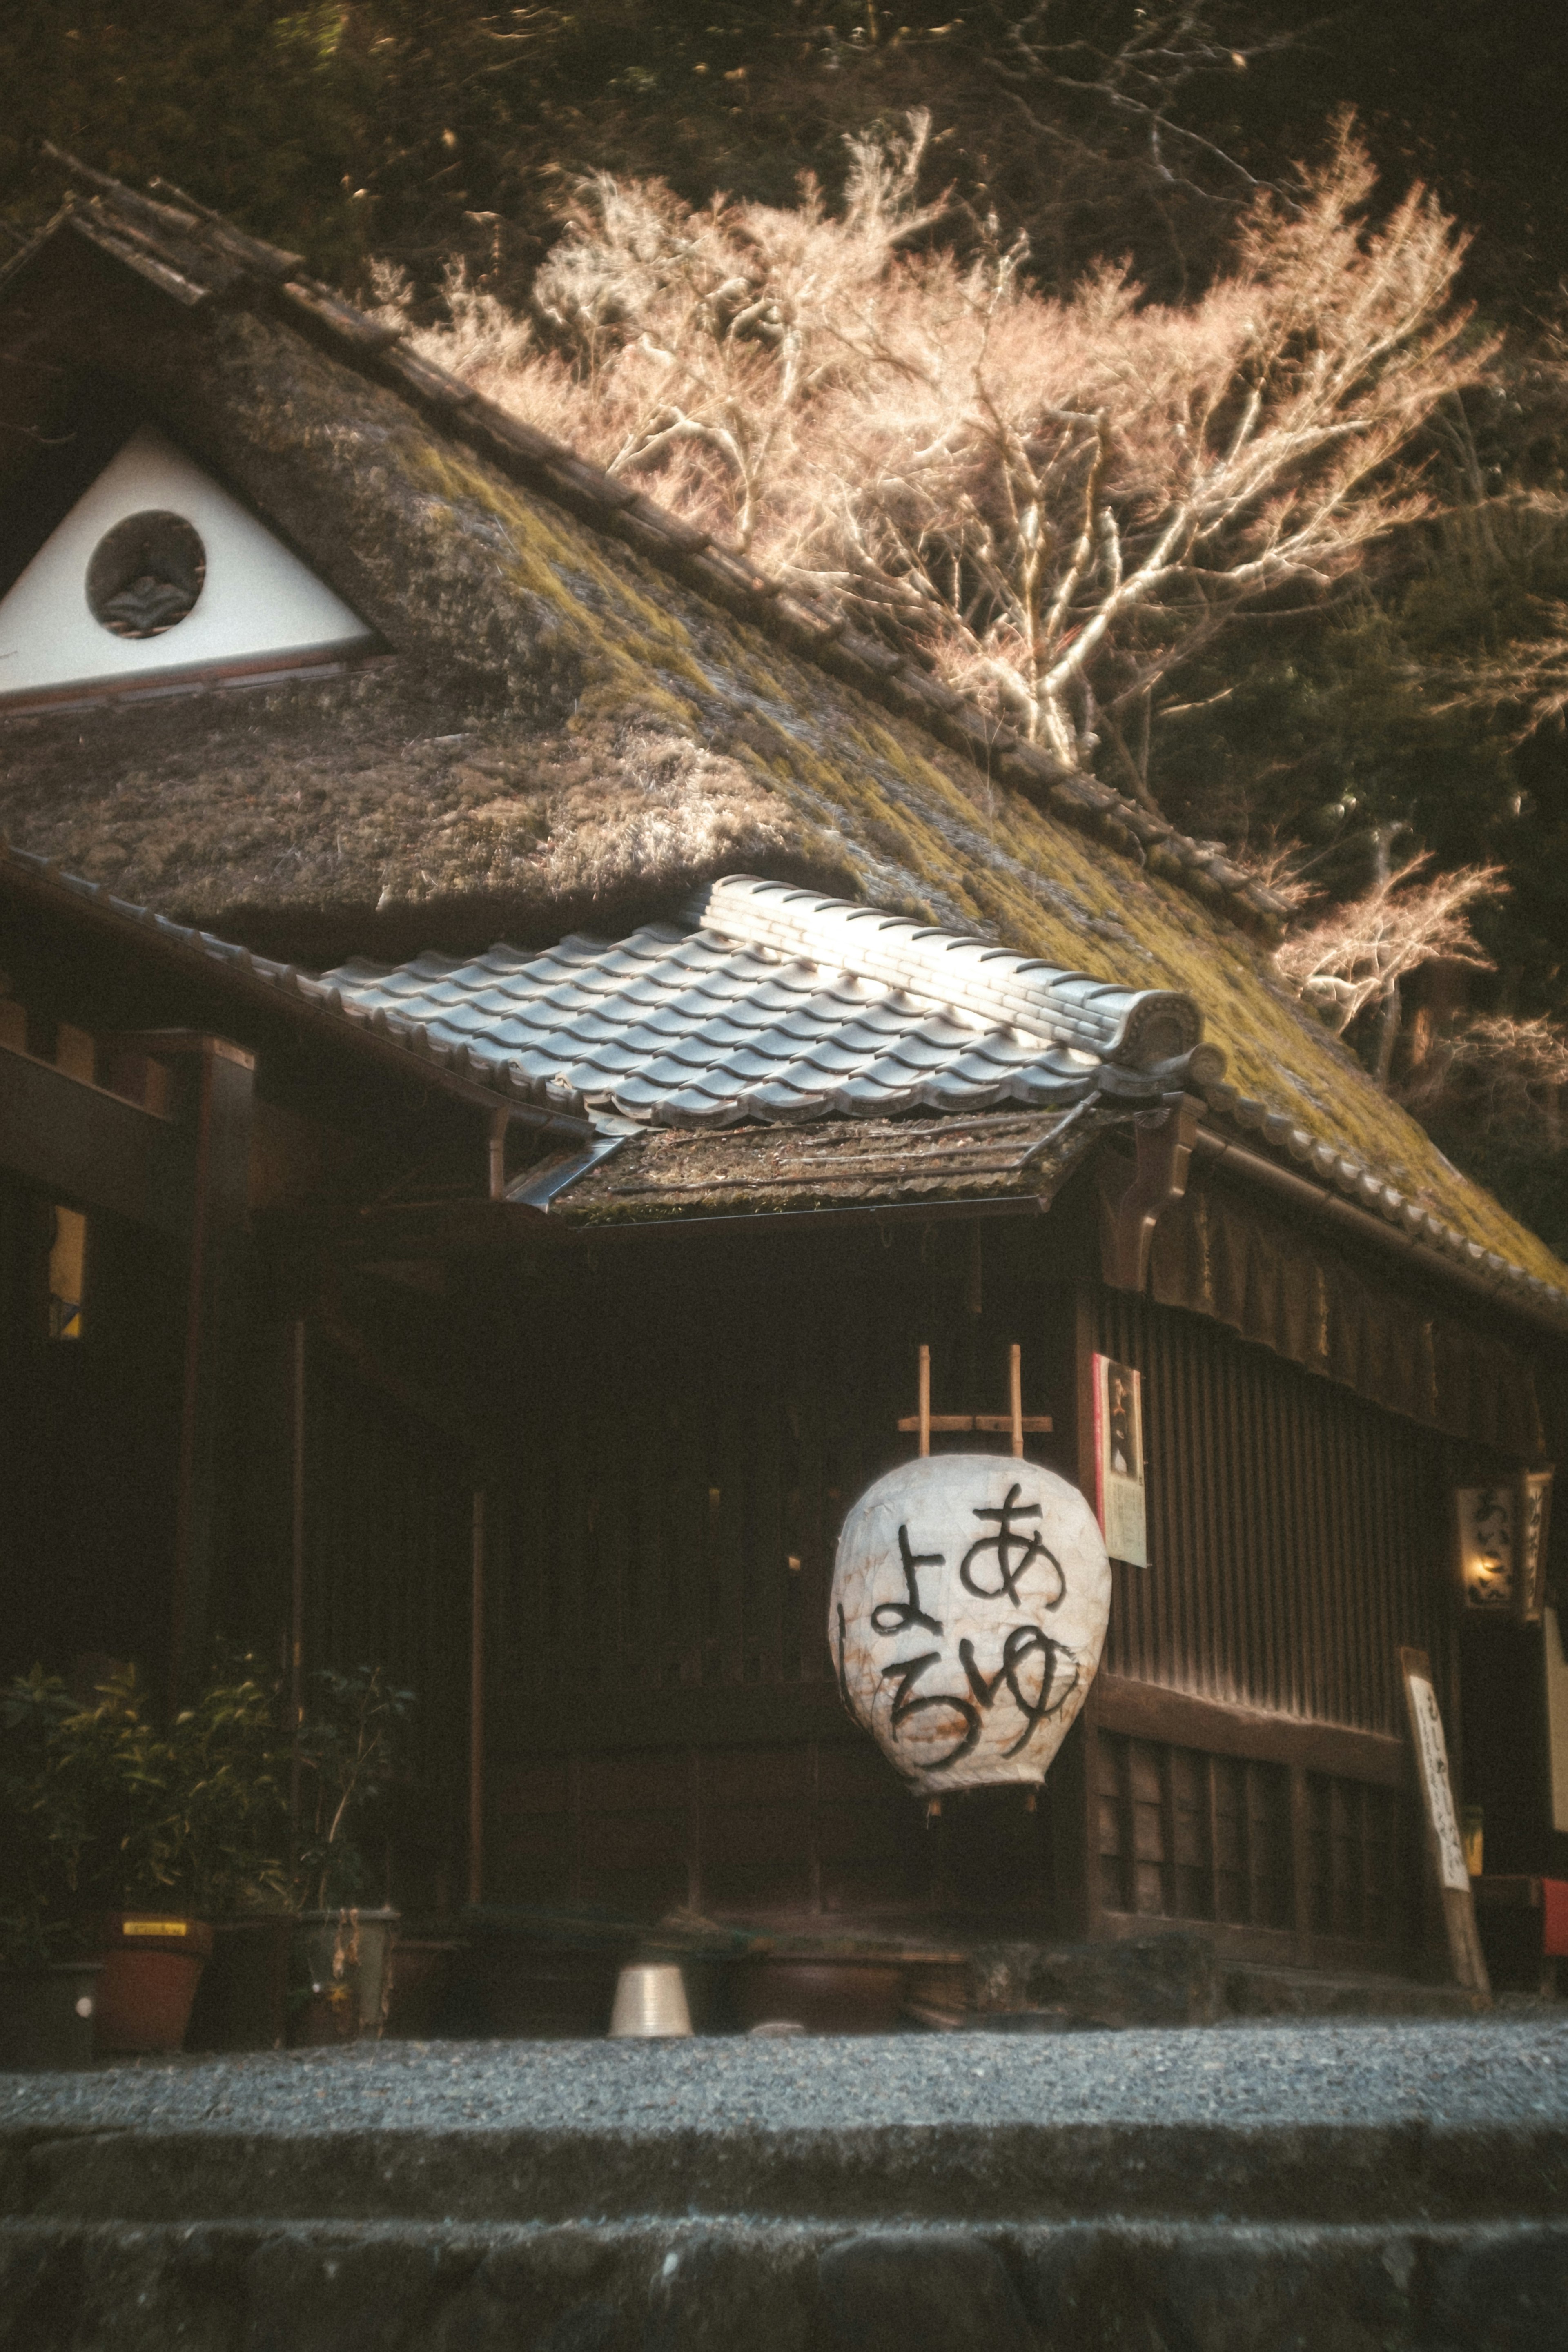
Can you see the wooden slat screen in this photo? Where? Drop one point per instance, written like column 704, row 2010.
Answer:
column 387, row 1518
column 1298, row 1536
column 800, row 1828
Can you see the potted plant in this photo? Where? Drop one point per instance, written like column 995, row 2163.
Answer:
column 132, row 1852
column 230, row 1767
column 48, row 1993
column 342, row 1957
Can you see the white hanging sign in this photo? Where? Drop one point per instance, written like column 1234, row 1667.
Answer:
column 969, row 1606
column 1118, row 1461
column 1436, row 1786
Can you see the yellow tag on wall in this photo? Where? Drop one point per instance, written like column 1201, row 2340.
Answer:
column 154, row 1927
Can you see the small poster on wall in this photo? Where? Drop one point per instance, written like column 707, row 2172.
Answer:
column 1118, row 1461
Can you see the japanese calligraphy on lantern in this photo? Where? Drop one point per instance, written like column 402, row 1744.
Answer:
column 1118, row 1461
column 970, row 1598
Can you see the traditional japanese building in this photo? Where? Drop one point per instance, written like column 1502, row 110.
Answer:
column 529, row 1314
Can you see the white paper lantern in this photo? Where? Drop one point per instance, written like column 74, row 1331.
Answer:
column 970, row 1599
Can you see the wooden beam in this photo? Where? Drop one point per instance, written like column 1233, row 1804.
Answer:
column 1073, row 1783
column 1145, row 1711
column 546, row 1716
column 476, row 1706
column 80, row 1143
column 957, row 1423
column 298, row 1361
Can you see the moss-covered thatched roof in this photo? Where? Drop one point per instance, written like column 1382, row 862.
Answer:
column 587, row 711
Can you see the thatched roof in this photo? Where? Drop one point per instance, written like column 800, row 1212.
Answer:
column 584, row 711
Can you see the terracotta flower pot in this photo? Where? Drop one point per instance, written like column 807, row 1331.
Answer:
column 47, row 2014
column 152, row 1963
column 339, row 1974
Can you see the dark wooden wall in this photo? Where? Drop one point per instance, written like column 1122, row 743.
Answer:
column 89, row 1439
column 1298, row 1536
column 665, row 1726
column 388, row 1504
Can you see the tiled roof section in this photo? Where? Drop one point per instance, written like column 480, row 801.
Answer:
column 456, row 1046
column 193, row 256
column 1137, row 1026
column 542, row 1101
column 786, row 1006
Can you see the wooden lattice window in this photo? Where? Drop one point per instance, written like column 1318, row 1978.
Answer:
column 1187, row 1835
column 1357, row 1859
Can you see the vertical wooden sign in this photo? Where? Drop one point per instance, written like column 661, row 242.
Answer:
column 1556, row 1662
column 1534, row 1519
column 1120, row 1502
column 1445, row 1847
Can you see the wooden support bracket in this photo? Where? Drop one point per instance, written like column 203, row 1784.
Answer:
column 1133, row 1197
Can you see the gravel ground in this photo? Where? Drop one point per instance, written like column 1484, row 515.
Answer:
column 1481, row 2072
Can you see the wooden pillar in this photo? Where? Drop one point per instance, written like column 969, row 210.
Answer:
column 1074, row 1783
column 477, row 1710
column 1302, row 1865
column 223, row 1077
column 297, row 1370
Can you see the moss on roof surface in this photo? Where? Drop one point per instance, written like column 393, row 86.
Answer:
column 567, row 734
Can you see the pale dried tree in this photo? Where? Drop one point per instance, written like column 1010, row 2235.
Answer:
column 1525, row 682
column 1501, row 1075
column 1055, row 502
column 699, row 345
column 1069, row 499
column 1354, row 955
column 1137, row 77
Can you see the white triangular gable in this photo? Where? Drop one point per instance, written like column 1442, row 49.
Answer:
column 257, row 601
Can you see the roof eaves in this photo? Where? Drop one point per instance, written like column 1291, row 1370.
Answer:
column 282, row 987
column 1340, row 1180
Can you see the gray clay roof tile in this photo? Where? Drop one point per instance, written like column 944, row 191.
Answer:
column 777, row 1004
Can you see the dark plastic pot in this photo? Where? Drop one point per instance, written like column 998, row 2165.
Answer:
column 47, row 2014
column 519, row 1987
column 153, row 1961
column 340, row 1976
column 825, row 1995
column 241, row 2001
column 422, row 1972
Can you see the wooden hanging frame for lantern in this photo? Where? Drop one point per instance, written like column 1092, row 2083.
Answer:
column 1014, row 1419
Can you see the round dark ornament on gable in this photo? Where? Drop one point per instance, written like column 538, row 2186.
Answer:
column 145, row 576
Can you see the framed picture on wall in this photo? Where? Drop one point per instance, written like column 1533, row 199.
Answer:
column 1119, row 1499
